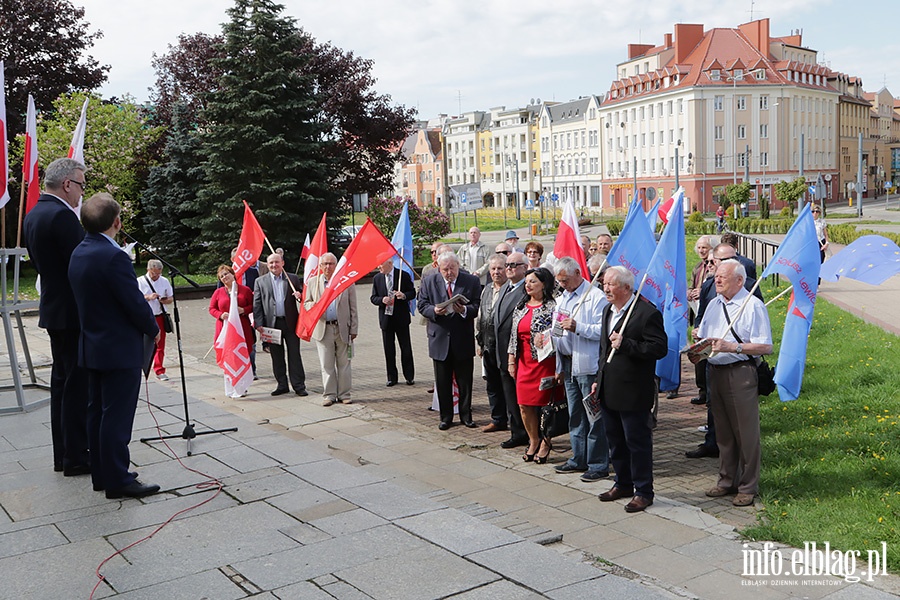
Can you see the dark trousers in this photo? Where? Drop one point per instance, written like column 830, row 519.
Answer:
column 700, row 376
column 113, row 399
column 290, row 343
column 516, row 426
column 444, row 371
column 68, row 401
column 401, row 333
column 630, row 448
column 496, row 397
column 700, row 371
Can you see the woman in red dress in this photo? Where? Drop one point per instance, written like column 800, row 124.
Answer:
column 532, row 321
column 220, row 303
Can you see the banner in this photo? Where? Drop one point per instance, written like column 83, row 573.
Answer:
column 250, row 245
column 30, row 163
column 232, row 351
column 4, row 144
column 76, row 148
column 403, row 243
column 568, row 238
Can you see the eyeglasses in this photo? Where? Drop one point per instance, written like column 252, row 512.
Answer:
column 515, row 264
column 815, row 212
column 507, row 252
column 81, row 183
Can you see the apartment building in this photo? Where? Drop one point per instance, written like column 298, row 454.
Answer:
column 421, row 173
column 509, row 156
column 570, row 151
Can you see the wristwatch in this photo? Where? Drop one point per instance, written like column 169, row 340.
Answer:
column 739, row 349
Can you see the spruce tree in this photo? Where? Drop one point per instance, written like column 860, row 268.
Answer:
column 263, row 142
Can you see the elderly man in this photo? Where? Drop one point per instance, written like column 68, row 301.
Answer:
column 275, row 296
column 512, row 292
column 512, row 238
column 626, row 386
column 733, row 240
column 473, row 256
column 486, row 338
column 737, row 339
column 504, row 249
column 391, row 292
column 157, row 292
column 334, row 332
column 604, row 243
column 579, row 313
column 586, row 246
column 52, row 232
column 451, row 335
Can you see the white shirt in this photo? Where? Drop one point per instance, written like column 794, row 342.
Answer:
column 162, row 287
column 752, row 326
column 583, row 345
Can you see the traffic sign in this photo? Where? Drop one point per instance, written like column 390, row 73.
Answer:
column 463, row 198
column 529, row 204
column 542, row 198
column 554, row 197
column 888, row 184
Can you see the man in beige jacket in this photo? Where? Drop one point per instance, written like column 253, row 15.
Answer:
column 334, row 333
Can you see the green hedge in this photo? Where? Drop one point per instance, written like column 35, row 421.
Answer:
column 845, row 234
column 742, row 225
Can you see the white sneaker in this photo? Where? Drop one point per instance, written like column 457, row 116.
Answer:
column 162, row 377
column 703, row 429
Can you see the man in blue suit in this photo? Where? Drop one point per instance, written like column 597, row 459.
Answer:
column 451, row 335
column 114, row 319
column 52, row 232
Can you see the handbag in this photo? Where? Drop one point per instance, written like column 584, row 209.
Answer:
column 765, row 375
column 554, row 419
column 167, row 319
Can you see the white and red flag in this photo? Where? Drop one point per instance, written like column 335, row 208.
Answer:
column 304, row 251
column 668, row 207
column 568, row 237
column 30, row 164
column 250, row 246
column 232, row 351
column 4, row 150
column 366, row 252
column 76, row 148
column 313, row 252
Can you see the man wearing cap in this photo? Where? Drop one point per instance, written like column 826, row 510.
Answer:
column 513, row 240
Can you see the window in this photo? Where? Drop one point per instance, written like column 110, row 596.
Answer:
column 652, row 164
column 669, row 107
column 681, row 107
column 763, row 103
column 742, row 159
column 718, row 103
column 764, row 159
column 651, row 138
column 650, row 108
column 719, row 161
column 742, row 102
column 642, row 113
column 714, row 75
column 643, row 139
column 742, row 132
column 764, row 130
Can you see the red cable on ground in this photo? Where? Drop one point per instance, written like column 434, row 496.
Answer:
column 209, row 483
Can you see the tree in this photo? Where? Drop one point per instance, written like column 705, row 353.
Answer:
column 737, row 194
column 427, row 224
column 170, row 200
column 43, row 44
column 263, row 142
column 791, row 191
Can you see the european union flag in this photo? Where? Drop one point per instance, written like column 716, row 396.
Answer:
column 872, row 259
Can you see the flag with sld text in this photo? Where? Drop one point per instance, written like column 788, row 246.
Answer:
column 250, row 245
column 232, row 350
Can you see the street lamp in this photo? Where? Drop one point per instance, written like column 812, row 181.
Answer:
column 734, row 80
column 514, row 161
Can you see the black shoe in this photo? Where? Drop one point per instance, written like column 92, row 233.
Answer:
column 77, row 470
column 410, row 382
column 672, row 394
column 698, row 400
column 280, row 392
column 703, row 451
column 391, row 383
column 592, row 476
column 302, row 392
column 470, row 424
column 445, row 425
column 567, row 468
column 135, row 489
column 514, row 443
column 99, row 487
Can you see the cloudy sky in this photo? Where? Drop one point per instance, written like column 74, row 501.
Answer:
column 452, row 56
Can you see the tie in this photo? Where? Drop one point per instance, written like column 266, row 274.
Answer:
column 449, row 290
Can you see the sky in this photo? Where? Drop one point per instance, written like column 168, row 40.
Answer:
column 454, row 56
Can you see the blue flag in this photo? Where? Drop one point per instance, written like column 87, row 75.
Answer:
column 403, row 242
column 797, row 258
column 872, row 259
column 666, row 287
column 635, row 245
column 653, row 216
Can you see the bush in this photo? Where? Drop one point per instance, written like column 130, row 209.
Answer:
column 786, row 211
column 696, row 217
column 846, row 234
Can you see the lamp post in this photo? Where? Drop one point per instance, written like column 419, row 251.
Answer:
column 503, row 158
column 513, row 161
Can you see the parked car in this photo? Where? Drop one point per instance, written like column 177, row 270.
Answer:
column 339, row 239
column 352, row 230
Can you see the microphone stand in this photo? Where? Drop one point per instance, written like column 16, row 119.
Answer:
column 188, row 433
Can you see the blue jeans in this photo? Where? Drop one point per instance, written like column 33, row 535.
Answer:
column 590, row 450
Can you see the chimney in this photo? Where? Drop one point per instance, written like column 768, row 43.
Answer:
column 687, row 36
column 635, row 50
column 667, row 43
column 758, row 34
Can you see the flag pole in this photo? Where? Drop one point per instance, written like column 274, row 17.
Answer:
column 290, row 283
column 636, row 299
column 593, row 281
column 21, row 215
column 789, row 288
column 3, row 225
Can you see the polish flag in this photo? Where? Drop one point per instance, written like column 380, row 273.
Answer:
column 30, row 164
column 232, row 351
column 313, row 251
column 250, row 246
column 568, row 237
column 668, row 207
column 76, row 149
column 304, row 252
column 4, row 151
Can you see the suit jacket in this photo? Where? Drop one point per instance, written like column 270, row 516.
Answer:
column 708, row 292
column 503, row 317
column 347, row 317
column 52, row 232
column 113, row 314
column 264, row 301
column 749, row 266
column 485, row 334
column 401, row 314
column 627, row 383
column 450, row 334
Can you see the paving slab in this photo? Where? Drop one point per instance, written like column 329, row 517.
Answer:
column 534, row 566
column 498, row 590
column 349, row 521
column 30, row 540
column 336, row 475
column 664, row 564
column 303, row 590
column 457, row 532
column 388, row 500
column 610, row 586
column 211, row 584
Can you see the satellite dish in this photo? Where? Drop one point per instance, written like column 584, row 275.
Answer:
column 651, row 194
column 531, row 101
column 538, row 100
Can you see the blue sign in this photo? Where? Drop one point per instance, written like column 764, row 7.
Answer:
column 462, row 198
column 554, row 197
column 812, row 189
column 529, row 204
column 542, row 199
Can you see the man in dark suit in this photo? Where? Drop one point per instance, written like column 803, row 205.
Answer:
column 274, row 305
column 627, row 388
column 510, row 294
column 52, row 232
column 451, row 335
column 114, row 319
column 391, row 291
column 486, row 337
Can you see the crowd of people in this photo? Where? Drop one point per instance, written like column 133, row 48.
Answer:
column 542, row 332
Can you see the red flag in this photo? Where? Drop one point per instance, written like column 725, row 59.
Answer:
column 568, row 238
column 76, row 148
column 314, row 251
column 232, row 352
column 666, row 209
column 367, row 250
column 30, row 164
column 4, row 156
column 250, row 246
column 304, row 251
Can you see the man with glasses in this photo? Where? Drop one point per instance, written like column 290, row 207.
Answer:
column 510, row 294
column 504, row 249
column 52, row 232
